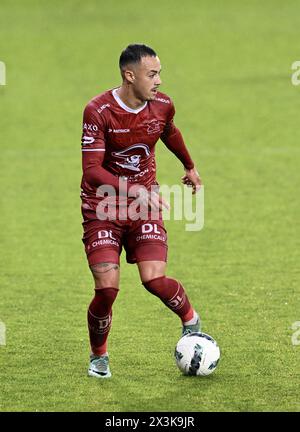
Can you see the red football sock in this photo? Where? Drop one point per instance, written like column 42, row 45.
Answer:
column 172, row 294
column 99, row 318
column 188, row 316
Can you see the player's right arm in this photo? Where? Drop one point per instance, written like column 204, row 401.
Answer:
column 93, row 151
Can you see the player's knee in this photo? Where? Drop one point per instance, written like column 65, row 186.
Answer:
column 150, row 271
column 105, row 274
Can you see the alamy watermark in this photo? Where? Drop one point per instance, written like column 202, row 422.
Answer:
column 295, row 78
column 139, row 203
column 296, row 335
column 2, row 333
column 185, row 205
column 2, row 73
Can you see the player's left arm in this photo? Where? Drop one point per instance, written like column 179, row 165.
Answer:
column 173, row 140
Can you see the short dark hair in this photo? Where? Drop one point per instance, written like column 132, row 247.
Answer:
column 134, row 53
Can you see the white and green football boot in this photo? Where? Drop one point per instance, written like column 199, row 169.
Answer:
column 192, row 328
column 99, row 366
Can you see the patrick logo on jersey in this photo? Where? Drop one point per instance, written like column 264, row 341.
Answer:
column 131, row 157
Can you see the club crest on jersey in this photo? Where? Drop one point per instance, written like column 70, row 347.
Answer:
column 153, row 127
column 131, row 156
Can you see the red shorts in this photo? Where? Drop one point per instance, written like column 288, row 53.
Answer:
column 143, row 240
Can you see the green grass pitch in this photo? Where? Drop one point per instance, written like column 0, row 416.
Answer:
column 227, row 66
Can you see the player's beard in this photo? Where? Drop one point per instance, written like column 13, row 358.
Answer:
column 144, row 96
column 152, row 95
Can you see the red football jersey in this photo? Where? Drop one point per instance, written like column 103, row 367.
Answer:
column 122, row 140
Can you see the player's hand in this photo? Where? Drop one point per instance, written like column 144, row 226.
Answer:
column 157, row 202
column 192, row 179
column 150, row 199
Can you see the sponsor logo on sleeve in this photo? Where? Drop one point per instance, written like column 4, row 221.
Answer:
column 90, row 127
column 86, row 140
column 102, row 108
column 167, row 101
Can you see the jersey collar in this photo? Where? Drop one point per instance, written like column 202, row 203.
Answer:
column 124, row 106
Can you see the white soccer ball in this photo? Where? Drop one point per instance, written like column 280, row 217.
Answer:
column 197, row 354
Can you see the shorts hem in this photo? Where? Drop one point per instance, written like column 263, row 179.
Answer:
column 93, row 259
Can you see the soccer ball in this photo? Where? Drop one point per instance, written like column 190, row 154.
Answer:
column 197, row 354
